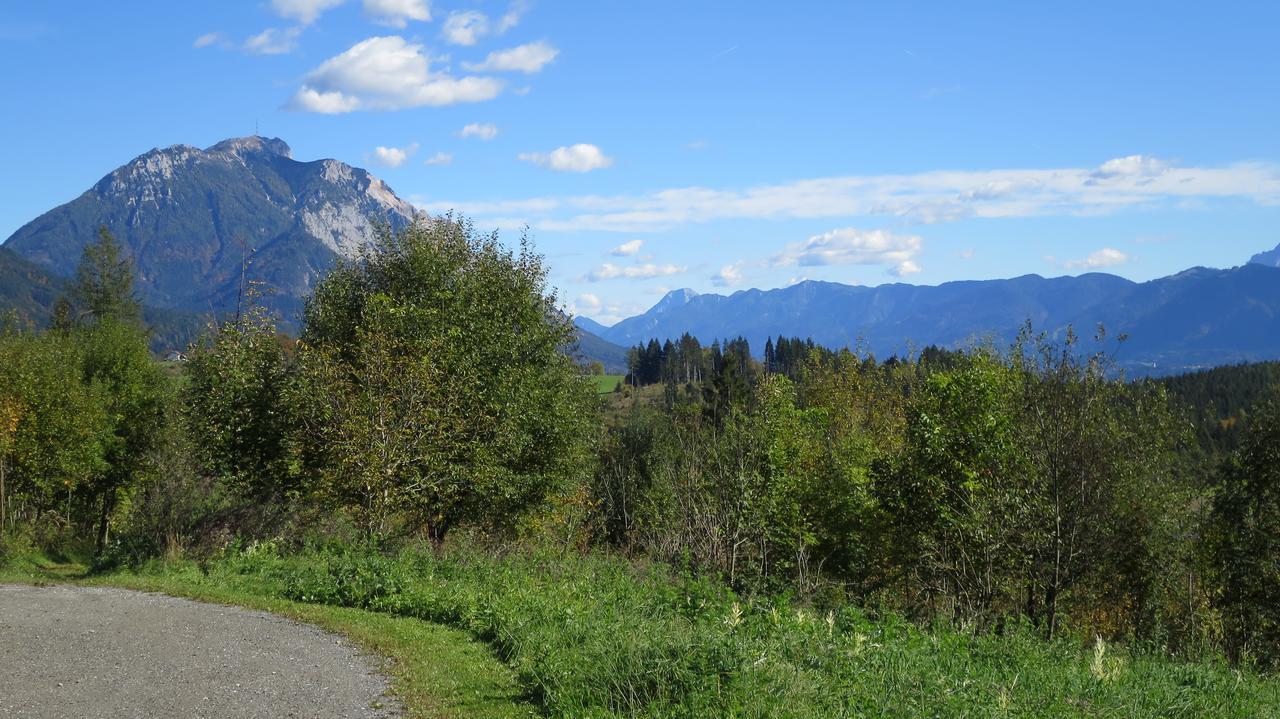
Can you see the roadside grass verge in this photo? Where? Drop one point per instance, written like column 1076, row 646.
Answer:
column 595, row 636
column 436, row 672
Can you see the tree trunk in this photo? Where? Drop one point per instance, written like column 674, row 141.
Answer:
column 4, row 501
column 104, row 519
column 436, row 532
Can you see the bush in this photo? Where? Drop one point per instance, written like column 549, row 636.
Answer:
column 595, row 636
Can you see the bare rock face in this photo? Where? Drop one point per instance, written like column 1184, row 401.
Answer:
column 189, row 217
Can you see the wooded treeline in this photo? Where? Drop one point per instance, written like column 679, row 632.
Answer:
column 429, row 391
column 1026, row 485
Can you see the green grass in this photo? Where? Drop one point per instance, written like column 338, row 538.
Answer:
column 435, row 671
column 606, row 383
column 596, row 636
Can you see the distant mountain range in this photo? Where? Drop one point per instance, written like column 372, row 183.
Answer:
column 189, row 218
column 1197, row 318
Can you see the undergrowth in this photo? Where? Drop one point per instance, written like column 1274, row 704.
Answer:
column 594, row 636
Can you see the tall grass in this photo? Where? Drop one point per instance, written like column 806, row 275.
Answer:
column 593, row 636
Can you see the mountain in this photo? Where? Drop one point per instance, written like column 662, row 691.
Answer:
column 589, row 325
column 189, row 218
column 1270, row 258
column 30, row 291
column 1197, row 318
column 26, row 288
column 592, row 347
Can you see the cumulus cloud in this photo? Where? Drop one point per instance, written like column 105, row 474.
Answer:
column 392, row 156
column 528, row 59
column 207, row 39
column 304, row 11
column 386, row 73
column 1131, row 166
column 851, row 246
column 574, row 158
column 627, row 249
column 729, row 275
column 465, row 27
column 273, row 41
column 440, row 158
column 905, row 268
column 397, row 13
column 647, row 271
column 481, row 130
column 1105, row 257
column 606, row 313
column 327, row 103
column 929, row 197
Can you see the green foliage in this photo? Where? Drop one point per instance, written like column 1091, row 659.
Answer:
column 241, row 408
column 83, row 406
column 104, row 282
column 436, row 392
column 593, row 636
column 1244, row 540
column 54, row 429
column 136, row 395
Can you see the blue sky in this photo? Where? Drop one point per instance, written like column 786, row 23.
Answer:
column 717, row 146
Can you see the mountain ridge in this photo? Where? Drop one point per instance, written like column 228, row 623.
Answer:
column 1195, row 318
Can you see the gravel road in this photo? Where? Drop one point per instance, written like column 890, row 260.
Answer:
column 93, row 652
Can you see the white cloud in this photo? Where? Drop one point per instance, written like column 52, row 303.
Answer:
column 397, row 13
column 465, row 27
column 851, row 246
column 327, row 103
column 528, row 59
column 574, row 158
column 905, row 268
column 511, row 17
column 392, row 156
column 606, row 313
column 1105, row 257
column 627, row 249
column 939, row 196
column 610, row 271
column 273, row 41
column 484, row 131
column 1133, row 165
column 440, row 158
column 386, row 73
column 729, row 275
column 304, row 11
column 207, row 39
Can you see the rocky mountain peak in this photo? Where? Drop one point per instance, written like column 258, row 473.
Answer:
column 673, row 299
column 188, row 218
column 254, row 144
